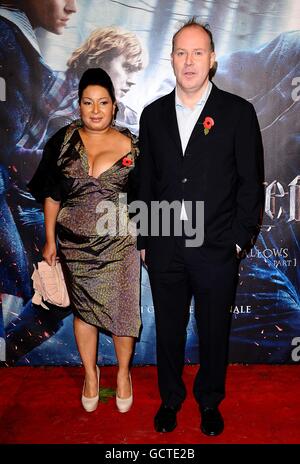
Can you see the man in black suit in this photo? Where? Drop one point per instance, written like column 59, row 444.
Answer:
column 198, row 143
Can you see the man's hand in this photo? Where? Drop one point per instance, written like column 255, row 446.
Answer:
column 143, row 256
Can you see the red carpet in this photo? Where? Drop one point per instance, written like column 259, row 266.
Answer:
column 42, row 405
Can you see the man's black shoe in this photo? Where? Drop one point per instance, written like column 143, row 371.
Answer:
column 165, row 419
column 211, row 421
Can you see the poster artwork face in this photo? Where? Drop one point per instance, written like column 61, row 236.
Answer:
column 52, row 15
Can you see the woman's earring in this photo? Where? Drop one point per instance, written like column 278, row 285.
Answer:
column 115, row 109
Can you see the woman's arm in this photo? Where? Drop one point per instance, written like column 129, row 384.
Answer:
column 51, row 209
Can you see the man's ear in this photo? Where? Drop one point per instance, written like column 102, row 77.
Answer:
column 212, row 59
column 172, row 61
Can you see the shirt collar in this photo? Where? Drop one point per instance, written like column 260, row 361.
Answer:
column 202, row 100
column 20, row 19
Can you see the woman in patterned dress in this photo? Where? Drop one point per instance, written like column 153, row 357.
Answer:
column 86, row 166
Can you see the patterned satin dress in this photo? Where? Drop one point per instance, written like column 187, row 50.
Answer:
column 96, row 248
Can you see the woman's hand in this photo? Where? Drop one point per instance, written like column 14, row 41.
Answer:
column 51, row 210
column 49, row 253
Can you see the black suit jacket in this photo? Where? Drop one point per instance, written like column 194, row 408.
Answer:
column 223, row 168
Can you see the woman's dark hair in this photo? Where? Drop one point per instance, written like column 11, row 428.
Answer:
column 96, row 76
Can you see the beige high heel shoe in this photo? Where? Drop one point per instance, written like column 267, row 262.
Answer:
column 90, row 404
column 124, row 404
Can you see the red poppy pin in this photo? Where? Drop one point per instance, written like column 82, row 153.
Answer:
column 208, row 123
column 127, row 161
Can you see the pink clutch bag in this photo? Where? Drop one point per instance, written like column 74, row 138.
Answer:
column 49, row 285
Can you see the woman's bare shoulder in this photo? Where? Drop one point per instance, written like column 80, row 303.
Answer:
column 122, row 138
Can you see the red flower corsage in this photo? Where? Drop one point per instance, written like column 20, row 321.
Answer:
column 208, row 123
column 127, row 161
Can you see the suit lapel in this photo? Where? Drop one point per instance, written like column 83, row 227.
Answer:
column 210, row 109
column 170, row 120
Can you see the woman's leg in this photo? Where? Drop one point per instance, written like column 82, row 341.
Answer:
column 124, row 349
column 87, row 341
